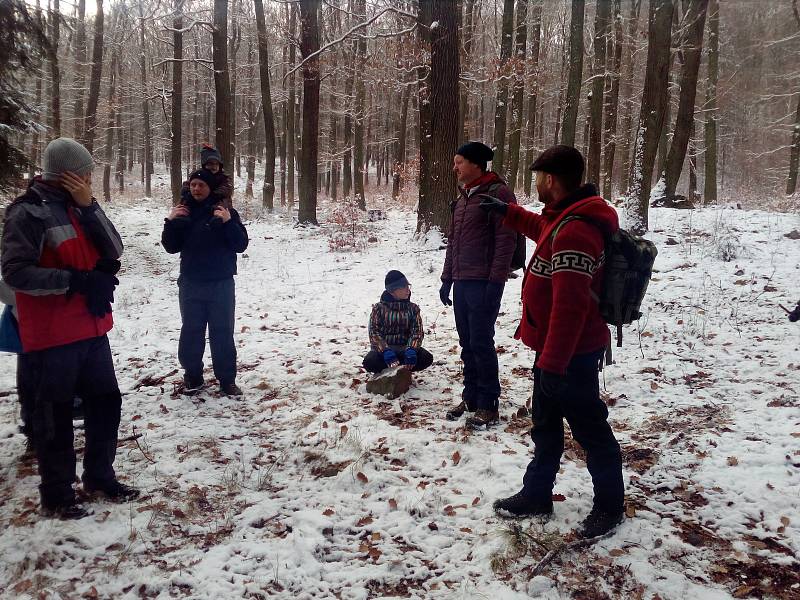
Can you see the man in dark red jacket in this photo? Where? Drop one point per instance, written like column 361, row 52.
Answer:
column 60, row 256
column 476, row 266
column 561, row 321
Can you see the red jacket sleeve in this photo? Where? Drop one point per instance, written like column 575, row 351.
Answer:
column 576, row 256
column 524, row 221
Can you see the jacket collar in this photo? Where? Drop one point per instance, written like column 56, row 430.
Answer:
column 49, row 191
column 588, row 190
column 387, row 298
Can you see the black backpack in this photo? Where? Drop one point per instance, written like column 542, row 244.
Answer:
column 518, row 258
column 628, row 267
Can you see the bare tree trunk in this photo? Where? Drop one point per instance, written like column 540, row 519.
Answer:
column 290, row 121
column 626, row 92
column 309, row 44
column 518, row 95
column 79, row 77
column 573, row 99
column 710, row 107
column 90, row 122
column 536, row 42
column 147, row 151
column 612, row 103
column 463, row 103
column 222, row 84
column 268, row 191
column 501, row 106
column 358, row 113
column 55, row 71
column 651, row 117
column 794, row 153
column 434, row 205
column 692, row 195
column 601, row 29
column 112, row 118
column 177, row 103
column 400, row 147
column 35, row 142
column 691, row 51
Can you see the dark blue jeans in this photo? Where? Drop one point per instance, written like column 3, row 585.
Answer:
column 208, row 304
column 476, row 304
column 587, row 415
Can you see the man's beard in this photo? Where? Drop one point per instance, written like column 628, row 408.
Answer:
column 544, row 196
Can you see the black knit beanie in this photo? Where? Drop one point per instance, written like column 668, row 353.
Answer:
column 204, row 175
column 395, row 280
column 476, row 152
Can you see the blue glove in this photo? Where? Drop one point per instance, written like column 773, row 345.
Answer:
column 411, row 356
column 390, row 358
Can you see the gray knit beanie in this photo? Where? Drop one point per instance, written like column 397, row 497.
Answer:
column 65, row 154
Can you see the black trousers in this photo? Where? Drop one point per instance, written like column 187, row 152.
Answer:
column 58, row 374
column 26, row 392
column 207, row 304
column 587, row 415
column 374, row 363
column 476, row 307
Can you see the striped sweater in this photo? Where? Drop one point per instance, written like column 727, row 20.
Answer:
column 395, row 323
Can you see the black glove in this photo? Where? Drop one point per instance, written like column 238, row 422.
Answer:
column 444, row 293
column 552, row 384
column 97, row 286
column 794, row 316
column 492, row 204
column 108, row 265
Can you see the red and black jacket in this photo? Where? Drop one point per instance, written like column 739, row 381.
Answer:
column 44, row 237
column 559, row 316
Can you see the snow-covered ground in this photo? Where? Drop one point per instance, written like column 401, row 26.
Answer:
column 312, row 488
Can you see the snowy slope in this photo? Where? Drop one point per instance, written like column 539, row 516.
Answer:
column 311, row 488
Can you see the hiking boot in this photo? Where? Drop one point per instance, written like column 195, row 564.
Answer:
column 600, row 522
column 459, row 409
column 192, row 385
column 114, row 490
column 483, row 418
column 66, row 512
column 522, row 506
column 230, row 389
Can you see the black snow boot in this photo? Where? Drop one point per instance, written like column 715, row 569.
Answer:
column 600, row 522
column 114, row 490
column 522, row 506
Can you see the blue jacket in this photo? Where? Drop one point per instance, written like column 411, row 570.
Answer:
column 208, row 248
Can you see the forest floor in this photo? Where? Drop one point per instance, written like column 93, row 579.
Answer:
column 309, row 487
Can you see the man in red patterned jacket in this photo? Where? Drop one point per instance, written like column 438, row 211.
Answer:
column 60, row 255
column 561, row 321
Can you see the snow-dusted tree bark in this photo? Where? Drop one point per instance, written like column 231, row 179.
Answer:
column 90, row 121
column 147, row 143
column 794, row 149
column 601, row 31
column 358, row 109
column 518, row 95
column 177, row 103
column 111, row 122
column 291, row 137
column 691, row 52
column 614, row 61
column 501, row 106
column 434, row 208
column 710, row 106
column 463, row 103
column 222, row 85
column 309, row 44
column 626, row 92
column 268, row 191
column 573, row 97
column 55, row 70
column 79, row 76
column 533, row 95
column 651, row 117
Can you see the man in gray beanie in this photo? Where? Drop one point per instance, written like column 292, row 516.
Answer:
column 60, row 255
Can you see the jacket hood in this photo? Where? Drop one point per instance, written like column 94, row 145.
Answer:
column 487, row 178
column 592, row 207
